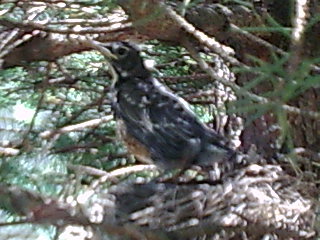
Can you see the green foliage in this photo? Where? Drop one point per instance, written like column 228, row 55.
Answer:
column 43, row 96
column 27, row 232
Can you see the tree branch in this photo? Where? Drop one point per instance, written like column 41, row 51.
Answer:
column 76, row 127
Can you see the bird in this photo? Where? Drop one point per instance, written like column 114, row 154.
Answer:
column 156, row 125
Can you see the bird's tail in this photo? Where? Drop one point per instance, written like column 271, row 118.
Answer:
column 218, row 159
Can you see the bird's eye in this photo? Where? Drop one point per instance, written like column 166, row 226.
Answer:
column 121, row 51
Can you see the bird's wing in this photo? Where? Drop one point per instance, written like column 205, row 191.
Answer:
column 160, row 120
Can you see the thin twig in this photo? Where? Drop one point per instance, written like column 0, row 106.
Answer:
column 88, row 170
column 76, row 127
column 115, row 27
column 297, row 37
column 186, row 78
column 205, row 67
column 39, row 104
column 256, row 39
column 92, row 22
column 14, row 223
column 123, row 172
column 224, row 51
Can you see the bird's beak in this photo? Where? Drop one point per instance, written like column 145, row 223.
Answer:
column 103, row 48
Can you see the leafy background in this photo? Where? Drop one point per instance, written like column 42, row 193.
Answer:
column 41, row 96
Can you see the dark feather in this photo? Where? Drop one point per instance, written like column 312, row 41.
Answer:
column 162, row 121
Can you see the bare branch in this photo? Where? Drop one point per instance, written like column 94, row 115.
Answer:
column 88, row 170
column 224, row 51
column 77, row 127
column 6, row 151
column 257, row 39
column 116, row 27
column 123, row 172
column 297, row 38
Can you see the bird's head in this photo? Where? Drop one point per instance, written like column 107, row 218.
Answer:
column 125, row 58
